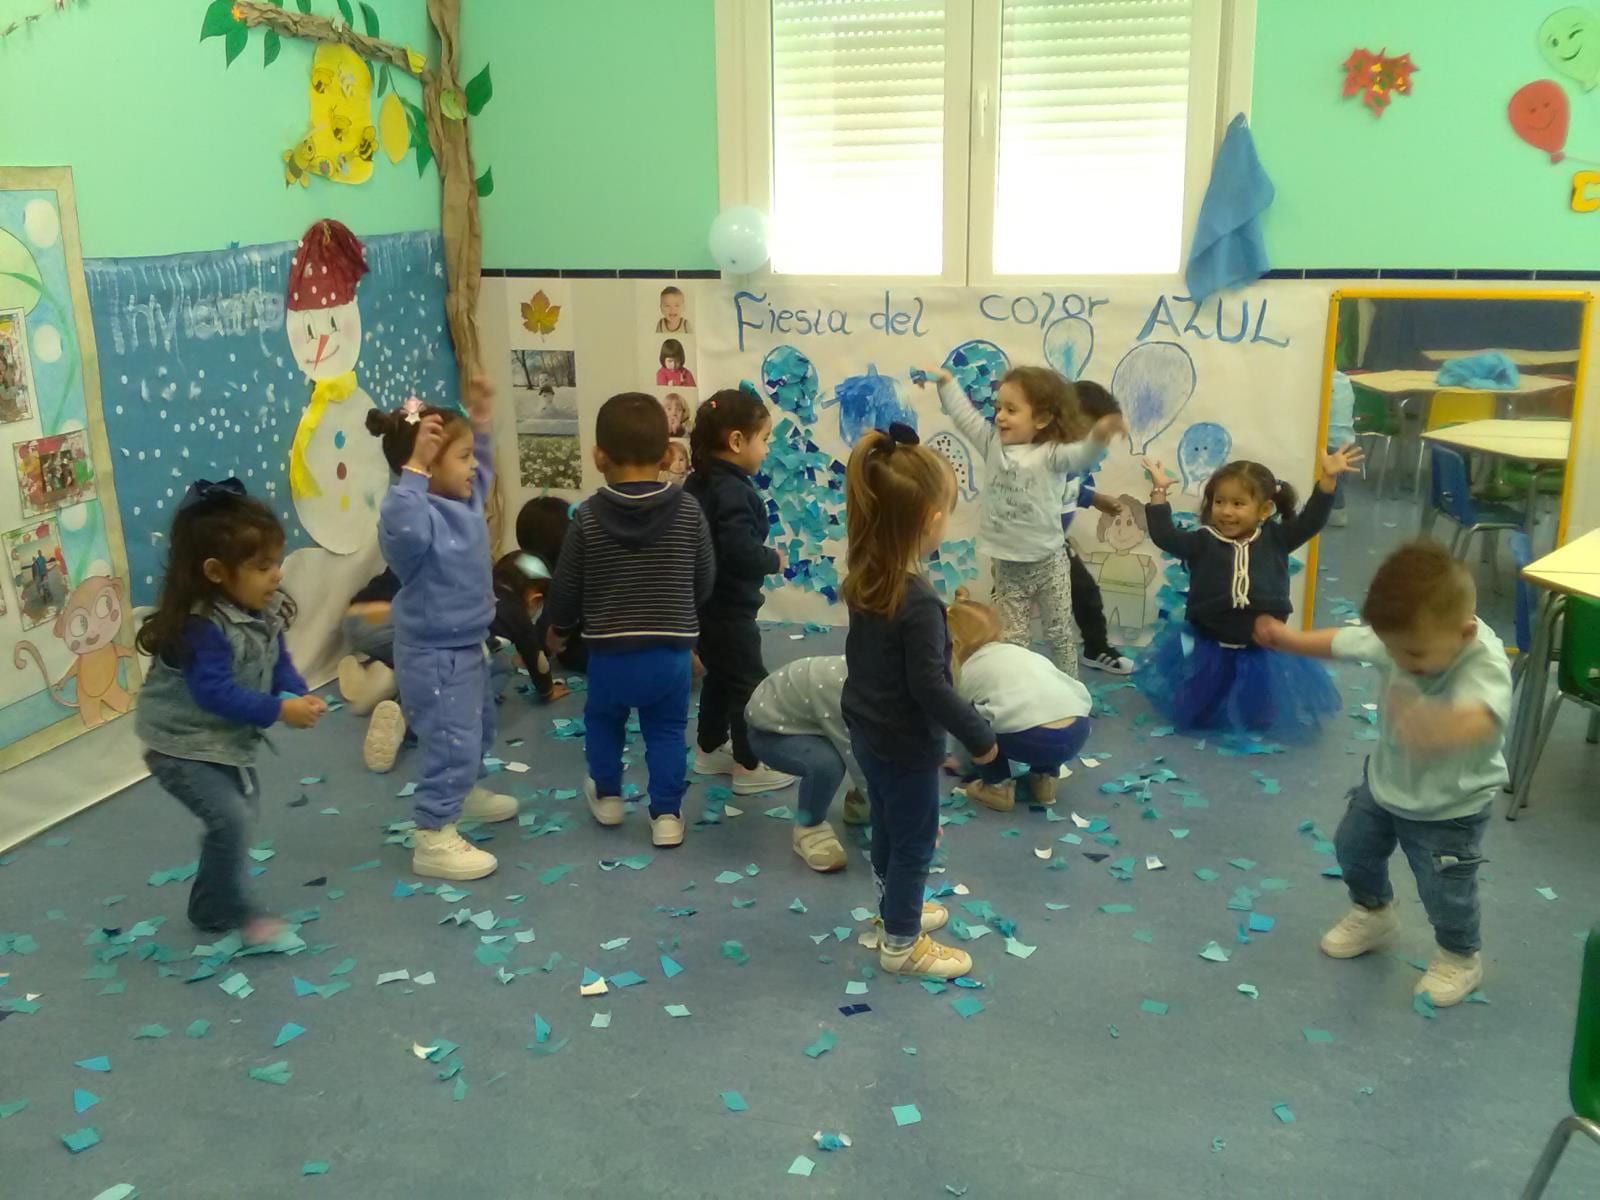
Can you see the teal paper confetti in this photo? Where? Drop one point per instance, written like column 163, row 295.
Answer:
column 802, row 1166
column 554, row 873
column 198, row 1029
column 795, row 906
column 1214, row 953
column 99, row 1063
column 314, row 1168
column 676, row 1010
column 1547, row 893
column 287, row 1034
column 906, row 1114
column 1283, row 1113
column 1206, row 875
column 1422, row 1005
column 967, row 1006
column 670, row 967
column 151, row 1031
column 1116, row 908
column 1250, row 989
column 1145, row 936
column 541, row 1029
column 12, row 1109
column 734, row 1102
column 277, row 1072
column 825, row 1041
column 600, row 1021
column 855, row 988
column 729, row 877
column 626, row 979
column 1244, row 864
column 83, row 1101
column 1260, row 924
column 80, row 1140
column 1154, row 1007
column 1318, row 1037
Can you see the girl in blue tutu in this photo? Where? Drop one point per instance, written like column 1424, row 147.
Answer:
column 1206, row 674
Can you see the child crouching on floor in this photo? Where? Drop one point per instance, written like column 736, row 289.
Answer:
column 1438, row 762
column 1039, row 713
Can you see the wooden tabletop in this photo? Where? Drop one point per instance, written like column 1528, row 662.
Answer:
column 1574, row 569
column 1397, row 383
column 1525, row 441
column 1523, row 358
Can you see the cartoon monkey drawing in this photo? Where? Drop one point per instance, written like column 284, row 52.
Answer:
column 89, row 623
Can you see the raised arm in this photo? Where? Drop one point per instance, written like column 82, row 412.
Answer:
column 1079, row 457
column 405, row 524
column 480, row 411
column 1181, row 544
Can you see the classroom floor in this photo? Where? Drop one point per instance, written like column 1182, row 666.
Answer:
column 1066, row 1083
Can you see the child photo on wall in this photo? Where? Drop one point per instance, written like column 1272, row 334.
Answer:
column 675, row 468
column 674, row 311
column 16, row 379
column 38, row 570
column 54, row 472
column 680, row 413
column 674, row 370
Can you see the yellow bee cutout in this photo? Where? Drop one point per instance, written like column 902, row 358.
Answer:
column 342, row 139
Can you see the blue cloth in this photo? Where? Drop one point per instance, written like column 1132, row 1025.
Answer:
column 1341, row 412
column 1227, row 250
column 1079, row 494
column 446, row 695
column 1491, row 370
column 904, row 803
column 656, row 681
column 225, row 798
column 1042, row 750
column 810, row 757
column 1201, row 686
column 439, row 549
column 1444, row 856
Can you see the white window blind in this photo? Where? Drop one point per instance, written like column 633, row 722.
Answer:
column 858, row 116
column 1093, row 119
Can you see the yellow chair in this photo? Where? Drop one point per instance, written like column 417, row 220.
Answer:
column 1453, row 406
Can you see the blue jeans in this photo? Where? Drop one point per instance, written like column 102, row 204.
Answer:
column 226, row 801
column 370, row 641
column 810, row 756
column 1042, row 750
column 447, row 697
column 656, row 682
column 1444, row 856
column 904, row 802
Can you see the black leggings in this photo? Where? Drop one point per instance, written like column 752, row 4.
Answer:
column 730, row 649
column 1088, row 611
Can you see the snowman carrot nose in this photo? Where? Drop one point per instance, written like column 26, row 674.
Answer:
column 322, row 344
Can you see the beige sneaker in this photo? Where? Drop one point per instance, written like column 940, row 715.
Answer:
column 667, row 829
column 607, row 810
column 934, row 916
column 1042, row 788
column 385, row 731
column 819, row 846
column 748, row 781
column 445, row 854
column 1002, row 797
column 715, row 762
column 483, row 805
column 364, row 684
column 856, row 809
column 1361, row 930
column 925, row 957
column 1450, row 977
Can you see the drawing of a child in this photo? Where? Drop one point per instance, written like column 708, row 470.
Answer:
column 1124, row 576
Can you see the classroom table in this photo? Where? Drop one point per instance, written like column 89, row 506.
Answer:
column 1408, row 383
column 1521, row 358
column 1571, row 570
column 1537, row 443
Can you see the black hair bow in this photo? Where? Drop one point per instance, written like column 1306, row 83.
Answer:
column 902, row 434
column 202, row 490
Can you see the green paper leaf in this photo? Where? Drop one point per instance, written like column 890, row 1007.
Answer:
column 424, row 155
column 304, row 6
column 344, row 11
column 479, row 90
column 369, row 19
column 452, row 105
column 218, row 20
column 234, row 43
column 383, row 82
column 270, row 47
column 486, row 182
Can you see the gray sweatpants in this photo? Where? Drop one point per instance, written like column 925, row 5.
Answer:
column 1018, row 586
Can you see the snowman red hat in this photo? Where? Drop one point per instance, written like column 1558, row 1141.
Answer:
column 326, row 268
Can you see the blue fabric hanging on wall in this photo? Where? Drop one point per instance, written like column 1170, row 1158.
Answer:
column 1227, row 250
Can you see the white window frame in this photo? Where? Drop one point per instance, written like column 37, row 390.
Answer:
column 1223, row 36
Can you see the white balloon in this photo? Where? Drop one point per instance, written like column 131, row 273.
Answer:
column 47, row 343
column 41, row 223
column 98, row 567
column 73, row 518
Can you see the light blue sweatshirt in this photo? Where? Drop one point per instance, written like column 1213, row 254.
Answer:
column 439, row 549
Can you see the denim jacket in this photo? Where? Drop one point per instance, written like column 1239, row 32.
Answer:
column 170, row 721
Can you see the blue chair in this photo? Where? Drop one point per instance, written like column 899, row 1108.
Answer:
column 1521, row 547
column 1450, row 493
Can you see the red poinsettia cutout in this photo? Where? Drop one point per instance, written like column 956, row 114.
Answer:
column 1377, row 77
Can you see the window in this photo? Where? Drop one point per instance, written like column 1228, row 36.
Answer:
column 976, row 140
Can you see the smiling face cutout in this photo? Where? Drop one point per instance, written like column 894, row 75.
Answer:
column 325, row 342
column 1569, row 40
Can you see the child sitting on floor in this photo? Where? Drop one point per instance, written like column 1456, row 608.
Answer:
column 542, row 526
column 521, row 581
column 1039, row 714
column 366, row 676
column 796, row 723
column 220, row 675
column 1437, row 764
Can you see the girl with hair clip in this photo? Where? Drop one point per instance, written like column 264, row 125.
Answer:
column 898, row 698
column 432, row 532
column 1206, row 673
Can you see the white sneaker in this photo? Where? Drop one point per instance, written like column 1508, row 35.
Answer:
column 747, row 782
column 607, row 810
column 1450, row 977
column 715, row 762
column 364, row 684
column 445, row 854
column 385, row 731
column 1116, row 664
column 1361, row 930
column 483, row 805
column 667, row 829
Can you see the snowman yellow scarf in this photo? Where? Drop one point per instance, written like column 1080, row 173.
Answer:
column 338, row 389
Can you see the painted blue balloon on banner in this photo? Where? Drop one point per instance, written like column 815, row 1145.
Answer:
column 960, row 458
column 978, row 366
column 1203, row 448
column 1153, row 383
column 1068, row 346
column 869, row 401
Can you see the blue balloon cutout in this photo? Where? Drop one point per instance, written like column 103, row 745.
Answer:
column 960, row 458
column 1203, row 448
column 791, row 381
column 869, row 401
column 738, row 239
column 1068, row 346
column 978, row 367
column 1153, row 382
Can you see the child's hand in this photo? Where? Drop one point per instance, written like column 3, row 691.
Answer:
column 1424, row 726
column 558, row 691
column 937, row 374
column 1342, row 461
column 988, row 756
column 553, row 641
column 302, row 712
column 1109, row 505
column 1160, row 479
column 480, row 401
column 1269, row 631
column 430, row 440
column 1107, row 427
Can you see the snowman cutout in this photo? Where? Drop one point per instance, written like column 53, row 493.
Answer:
column 337, row 473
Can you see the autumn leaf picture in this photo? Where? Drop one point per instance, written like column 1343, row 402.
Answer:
column 539, row 315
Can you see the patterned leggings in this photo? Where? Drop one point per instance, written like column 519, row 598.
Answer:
column 1018, row 586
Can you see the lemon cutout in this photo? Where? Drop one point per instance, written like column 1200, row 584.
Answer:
column 393, row 132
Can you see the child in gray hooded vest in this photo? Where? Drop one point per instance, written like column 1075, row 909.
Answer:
column 220, row 676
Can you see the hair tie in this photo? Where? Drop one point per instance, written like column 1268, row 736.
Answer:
column 901, row 434
column 202, row 490
column 413, row 410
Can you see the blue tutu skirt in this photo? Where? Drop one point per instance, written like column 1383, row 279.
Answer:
column 1203, row 687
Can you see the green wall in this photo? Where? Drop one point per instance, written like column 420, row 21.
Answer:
column 1440, row 180
column 602, row 132
column 170, row 151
